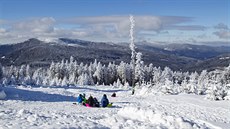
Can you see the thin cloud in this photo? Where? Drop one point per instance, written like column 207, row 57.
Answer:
column 222, row 34
column 99, row 28
column 221, row 26
column 186, row 27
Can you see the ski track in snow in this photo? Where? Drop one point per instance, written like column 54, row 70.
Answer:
column 27, row 107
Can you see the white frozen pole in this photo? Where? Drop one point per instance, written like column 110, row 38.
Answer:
column 133, row 52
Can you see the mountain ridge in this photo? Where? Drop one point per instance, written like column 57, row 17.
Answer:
column 39, row 53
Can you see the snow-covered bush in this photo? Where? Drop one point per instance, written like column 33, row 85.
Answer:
column 2, row 94
column 227, row 89
column 215, row 91
column 168, row 87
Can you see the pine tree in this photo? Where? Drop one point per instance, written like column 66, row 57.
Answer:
column 121, row 70
column 84, row 79
column 192, row 84
column 202, row 83
column 99, row 74
column 216, row 90
column 225, row 75
column 139, row 68
column 72, row 79
column 168, row 87
column 64, row 82
column 157, row 73
column 112, row 73
column 1, row 72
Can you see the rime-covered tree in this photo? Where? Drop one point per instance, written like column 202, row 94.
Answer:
column 167, row 73
column 1, row 71
column 27, row 78
column 64, row 81
column 37, row 77
column 225, row 75
column 99, row 74
column 157, row 73
column 132, row 48
column 121, row 70
column 52, row 71
column 139, row 68
column 112, row 73
column 192, row 84
column 72, row 79
column 215, row 89
column 168, row 87
column 83, row 79
column 148, row 72
column 202, row 82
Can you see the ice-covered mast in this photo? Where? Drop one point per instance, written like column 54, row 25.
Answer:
column 132, row 47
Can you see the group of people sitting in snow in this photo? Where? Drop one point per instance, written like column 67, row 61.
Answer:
column 93, row 102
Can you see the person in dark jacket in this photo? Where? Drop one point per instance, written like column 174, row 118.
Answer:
column 80, row 98
column 113, row 95
column 90, row 101
column 96, row 103
column 104, row 101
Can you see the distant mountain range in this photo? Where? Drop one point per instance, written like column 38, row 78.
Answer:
column 184, row 57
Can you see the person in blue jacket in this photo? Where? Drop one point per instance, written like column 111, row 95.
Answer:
column 104, row 101
column 80, row 98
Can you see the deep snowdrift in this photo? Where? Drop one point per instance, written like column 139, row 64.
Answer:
column 26, row 107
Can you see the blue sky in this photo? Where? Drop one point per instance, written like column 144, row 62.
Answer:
column 157, row 21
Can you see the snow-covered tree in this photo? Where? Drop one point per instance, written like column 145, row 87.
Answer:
column 117, row 83
column 139, row 68
column 225, row 75
column 72, row 79
column 51, row 71
column 112, row 73
column 5, row 81
column 37, row 77
column 157, row 73
column 121, row 70
column 192, row 83
column 202, row 82
column 84, row 79
column 64, row 81
column 227, row 91
column 215, row 89
column 148, row 73
column 167, row 73
column 168, row 87
column 99, row 74
column 1, row 71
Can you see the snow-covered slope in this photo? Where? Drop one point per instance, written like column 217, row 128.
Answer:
column 27, row 107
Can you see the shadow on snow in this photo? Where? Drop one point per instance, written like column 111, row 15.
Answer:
column 100, row 90
column 86, row 88
column 27, row 95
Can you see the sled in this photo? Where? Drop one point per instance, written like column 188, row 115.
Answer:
column 110, row 105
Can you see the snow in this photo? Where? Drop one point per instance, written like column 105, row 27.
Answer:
column 224, row 58
column 52, row 107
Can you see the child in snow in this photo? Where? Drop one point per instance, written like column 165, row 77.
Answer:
column 90, row 101
column 84, row 99
column 96, row 103
column 80, row 98
column 113, row 95
column 104, row 101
